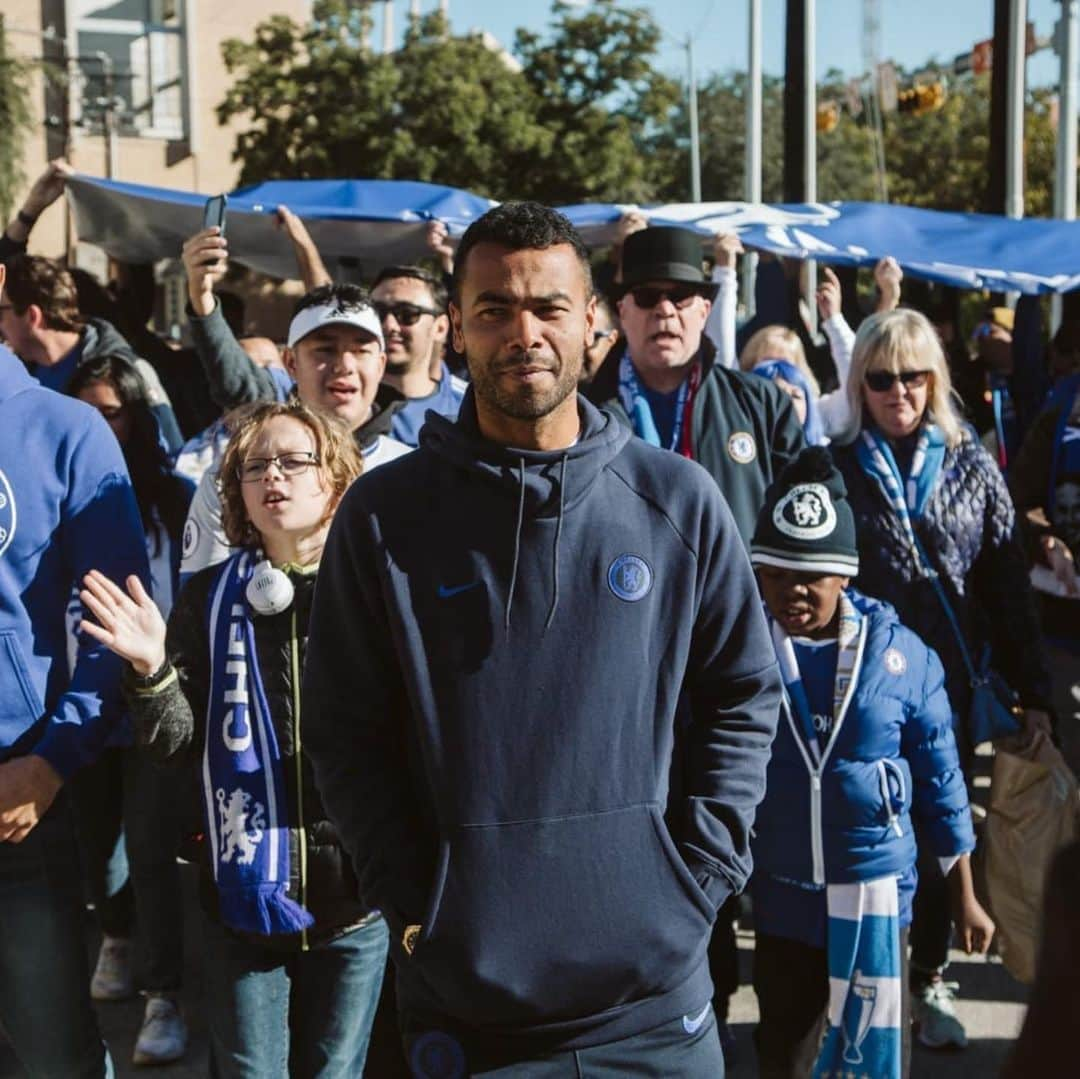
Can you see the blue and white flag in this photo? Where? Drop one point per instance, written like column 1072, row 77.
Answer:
column 379, row 222
column 865, row 1003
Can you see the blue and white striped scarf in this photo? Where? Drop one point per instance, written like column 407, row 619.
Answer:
column 636, row 405
column 908, row 501
column 865, row 1003
column 243, row 787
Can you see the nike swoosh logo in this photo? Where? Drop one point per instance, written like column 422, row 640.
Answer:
column 446, row 593
column 693, row 1025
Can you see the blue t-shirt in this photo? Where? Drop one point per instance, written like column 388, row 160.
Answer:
column 664, row 407
column 446, row 401
column 817, row 665
column 796, row 910
column 58, row 375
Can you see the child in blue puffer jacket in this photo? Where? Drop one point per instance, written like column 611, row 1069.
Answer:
column 865, row 740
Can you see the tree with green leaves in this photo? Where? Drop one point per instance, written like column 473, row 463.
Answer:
column 601, row 102
column 16, row 122
column 574, row 117
column 935, row 160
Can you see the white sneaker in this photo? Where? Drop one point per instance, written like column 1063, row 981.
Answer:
column 163, row 1035
column 935, row 1018
column 113, row 978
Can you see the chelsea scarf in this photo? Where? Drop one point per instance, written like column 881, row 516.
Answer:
column 243, row 788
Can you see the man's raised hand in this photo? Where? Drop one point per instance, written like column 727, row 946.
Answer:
column 206, row 258
column 829, row 296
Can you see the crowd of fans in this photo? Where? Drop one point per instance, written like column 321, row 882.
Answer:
column 910, row 505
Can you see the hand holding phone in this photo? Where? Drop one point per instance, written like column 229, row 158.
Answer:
column 214, row 213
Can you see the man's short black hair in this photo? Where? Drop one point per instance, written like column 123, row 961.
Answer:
column 521, row 226
column 346, row 296
column 417, row 273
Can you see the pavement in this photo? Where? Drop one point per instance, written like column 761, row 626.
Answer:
column 990, row 1003
column 991, row 1006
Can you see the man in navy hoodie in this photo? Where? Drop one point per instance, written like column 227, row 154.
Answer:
column 492, row 718
column 66, row 505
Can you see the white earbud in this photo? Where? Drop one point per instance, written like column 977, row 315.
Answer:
column 269, row 591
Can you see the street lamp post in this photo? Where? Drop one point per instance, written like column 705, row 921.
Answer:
column 695, row 134
column 752, row 190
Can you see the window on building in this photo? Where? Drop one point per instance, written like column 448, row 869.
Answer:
column 137, row 46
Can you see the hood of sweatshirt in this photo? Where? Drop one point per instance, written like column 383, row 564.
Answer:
column 387, row 402
column 534, row 476
column 545, row 483
column 101, row 338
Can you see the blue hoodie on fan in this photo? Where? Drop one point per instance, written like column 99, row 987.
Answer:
column 66, row 506
column 497, row 647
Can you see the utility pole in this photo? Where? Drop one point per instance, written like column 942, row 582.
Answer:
column 800, row 104
column 1005, row 173
column 800, row 121
column 1014, row 115
column 695, row 134
column 108, row 113
column 388, row 27
column 1067, row 45
column 752, row 189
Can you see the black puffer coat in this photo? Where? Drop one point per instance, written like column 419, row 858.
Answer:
column 969, row 532
column 169, row 717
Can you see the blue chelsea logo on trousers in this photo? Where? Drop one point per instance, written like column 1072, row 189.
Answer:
column 630, row 577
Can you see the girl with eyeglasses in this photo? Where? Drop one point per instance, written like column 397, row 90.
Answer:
column 937, row 538
column 293, row 958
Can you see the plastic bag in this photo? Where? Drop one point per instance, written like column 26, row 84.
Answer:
column 1034, row 801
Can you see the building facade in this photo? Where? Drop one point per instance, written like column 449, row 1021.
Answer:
column 143, row 78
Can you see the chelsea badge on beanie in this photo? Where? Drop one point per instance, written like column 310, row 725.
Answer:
column 806, row 523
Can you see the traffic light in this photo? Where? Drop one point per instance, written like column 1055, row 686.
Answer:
column 919, row 100
column 828, row 116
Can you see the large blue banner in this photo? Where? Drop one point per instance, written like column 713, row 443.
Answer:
column 378, row 222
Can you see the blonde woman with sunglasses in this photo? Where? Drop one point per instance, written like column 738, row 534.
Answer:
column 932, row 511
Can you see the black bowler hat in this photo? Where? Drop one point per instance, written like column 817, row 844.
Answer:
column 664, row 253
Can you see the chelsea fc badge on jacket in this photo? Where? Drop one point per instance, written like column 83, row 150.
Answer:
column 7, row 514
column 741, row 447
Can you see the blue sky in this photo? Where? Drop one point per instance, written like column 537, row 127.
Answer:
column 913, row 31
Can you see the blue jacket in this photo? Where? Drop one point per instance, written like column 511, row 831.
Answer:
column 892, row 753
column 491, row 683
column 968, row 530
column 66, row 506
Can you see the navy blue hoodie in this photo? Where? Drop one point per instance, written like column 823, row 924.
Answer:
column 66, row 506
column 497, row 648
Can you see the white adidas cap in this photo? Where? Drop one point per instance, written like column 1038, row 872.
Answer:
column 363, row 316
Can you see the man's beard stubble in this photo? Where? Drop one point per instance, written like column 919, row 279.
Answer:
column 526, row 403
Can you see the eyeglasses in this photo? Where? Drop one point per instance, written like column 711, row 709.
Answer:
column 645, row 296
column 405, row 314
column 289, row 464
column 882, row 381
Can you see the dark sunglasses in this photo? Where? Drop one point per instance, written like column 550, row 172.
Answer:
column 645, row 296
column 405, row 314
column 882, row 381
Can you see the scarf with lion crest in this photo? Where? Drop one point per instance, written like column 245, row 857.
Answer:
column 244, row 794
